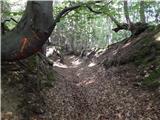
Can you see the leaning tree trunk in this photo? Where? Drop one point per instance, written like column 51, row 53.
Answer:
column 30, row 33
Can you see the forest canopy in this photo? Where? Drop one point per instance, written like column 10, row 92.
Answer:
column 93, row 24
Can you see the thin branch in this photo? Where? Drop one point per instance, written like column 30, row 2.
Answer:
column 120, row 26
column 123, row 26
column 66, row 10
column 4, row 28
column 110, row 16
column 97, row 12
column 14, row 20
column 8, row 20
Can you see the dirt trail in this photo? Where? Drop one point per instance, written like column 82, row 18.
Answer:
column 86, row 91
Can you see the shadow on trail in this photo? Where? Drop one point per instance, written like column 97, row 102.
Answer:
column 87, row 91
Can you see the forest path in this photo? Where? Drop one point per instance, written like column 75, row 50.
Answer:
column 86, row 91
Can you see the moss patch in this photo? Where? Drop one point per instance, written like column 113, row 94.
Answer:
column 153, row 80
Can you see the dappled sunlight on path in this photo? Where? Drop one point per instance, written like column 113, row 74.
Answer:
column 73, row 62
column 87, row 91
column 70, row 62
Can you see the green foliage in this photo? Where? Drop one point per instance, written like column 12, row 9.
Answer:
column 7, row 13
column 5, row 9
column 86, row 29
column 83, row 26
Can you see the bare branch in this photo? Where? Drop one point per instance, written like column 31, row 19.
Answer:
column 97, row 12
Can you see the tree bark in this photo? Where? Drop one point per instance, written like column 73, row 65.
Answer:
column 126, row 13
column 30, row 33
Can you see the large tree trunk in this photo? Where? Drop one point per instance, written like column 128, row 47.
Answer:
column 30, row 33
